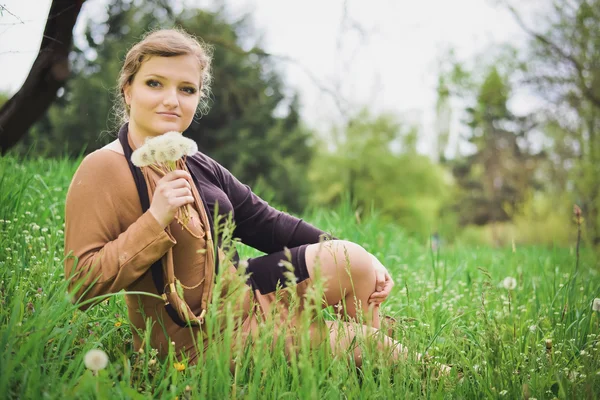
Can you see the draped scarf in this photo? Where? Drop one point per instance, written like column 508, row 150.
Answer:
column 163, row 273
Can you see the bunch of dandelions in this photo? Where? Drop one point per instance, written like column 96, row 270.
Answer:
column 161, row 153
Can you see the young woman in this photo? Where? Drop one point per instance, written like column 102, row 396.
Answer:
column 122, row 229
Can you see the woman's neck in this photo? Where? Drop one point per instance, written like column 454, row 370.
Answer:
column 137, row 137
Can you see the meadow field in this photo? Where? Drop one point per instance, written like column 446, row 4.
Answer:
column 513, row 323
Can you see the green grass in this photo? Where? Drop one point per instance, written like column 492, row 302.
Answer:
column 450, row 304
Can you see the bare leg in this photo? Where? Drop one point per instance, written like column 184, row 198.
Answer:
column 343, row 337
column 348, row 274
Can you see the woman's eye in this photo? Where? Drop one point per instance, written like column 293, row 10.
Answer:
column 189, row 90
column 153, row 83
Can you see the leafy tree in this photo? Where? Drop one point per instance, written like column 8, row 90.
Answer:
column 375, row 162
column 564, row 68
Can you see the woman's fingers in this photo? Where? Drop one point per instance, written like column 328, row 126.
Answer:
column 181, row 192
column 380, row 281
column 177, row 174
column 381, row 294
column 178, row 183
column 172, row 191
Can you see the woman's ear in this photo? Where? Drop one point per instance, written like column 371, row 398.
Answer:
column 127, row 94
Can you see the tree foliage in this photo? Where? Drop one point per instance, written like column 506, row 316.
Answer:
column 252, row 127
column 564, row 68
column 374, row 162
column 498, row 175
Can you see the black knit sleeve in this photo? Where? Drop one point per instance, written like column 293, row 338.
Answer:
column 258, row 224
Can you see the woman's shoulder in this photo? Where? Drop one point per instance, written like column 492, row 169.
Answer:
column 114, row 146
column 104, row 163
column 200, row 159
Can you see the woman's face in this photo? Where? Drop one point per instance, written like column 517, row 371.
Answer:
column 163, row 95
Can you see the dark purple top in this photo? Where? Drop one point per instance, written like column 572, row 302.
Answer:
column 257, row 223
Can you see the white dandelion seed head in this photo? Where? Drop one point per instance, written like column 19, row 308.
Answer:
column 142, row 157
column 160, row 156
column 95, row 360
column 186, row 145
column 596, row 304
column 170, row 146
column 191, row 147
column 172, row 151
column 509, row 283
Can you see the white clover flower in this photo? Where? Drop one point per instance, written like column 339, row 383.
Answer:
column 596, row 304
column 95, row 360
column 509, row 283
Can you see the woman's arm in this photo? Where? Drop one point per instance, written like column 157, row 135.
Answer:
column 258, row 224
column 106, row 255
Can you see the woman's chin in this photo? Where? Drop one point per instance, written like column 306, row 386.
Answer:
column 161, row 128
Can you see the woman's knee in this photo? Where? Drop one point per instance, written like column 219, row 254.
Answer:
column 358, row 261
column 347, row 256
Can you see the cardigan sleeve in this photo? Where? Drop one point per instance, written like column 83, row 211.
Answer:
column 104, row 256
column 258, row 224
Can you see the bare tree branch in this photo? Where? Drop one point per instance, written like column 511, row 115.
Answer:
column 579, row 68
column 49, row 73
column 3, row 8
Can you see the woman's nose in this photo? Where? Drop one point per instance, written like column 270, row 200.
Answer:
column 170, row 99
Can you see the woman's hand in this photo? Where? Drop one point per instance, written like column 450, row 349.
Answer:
column 172, row 191
column 384, row 282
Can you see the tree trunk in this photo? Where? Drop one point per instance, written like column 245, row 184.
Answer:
column 48, row 74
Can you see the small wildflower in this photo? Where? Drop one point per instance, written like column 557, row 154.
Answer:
column 179, row 366
column 188, row 388
column 95, row 360
column 243, row 265
column 152, row 361
column 118, row 324
column 596, row 304
column 509, row 283
column 532, row 328
column 503, row 392
column 548, row 345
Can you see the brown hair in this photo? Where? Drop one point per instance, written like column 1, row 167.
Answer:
column 164, row 43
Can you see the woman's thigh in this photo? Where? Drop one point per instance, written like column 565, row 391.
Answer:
column 344, row 266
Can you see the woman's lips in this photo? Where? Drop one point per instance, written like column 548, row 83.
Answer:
column 168, row 115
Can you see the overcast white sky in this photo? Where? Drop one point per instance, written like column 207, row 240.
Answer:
column 393, row 67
